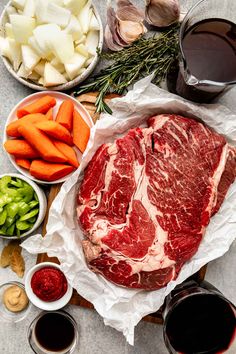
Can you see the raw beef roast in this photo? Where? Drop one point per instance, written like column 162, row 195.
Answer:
column 146, row 199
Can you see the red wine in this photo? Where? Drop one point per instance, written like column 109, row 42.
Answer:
column 209, row 48
column 54, row 332
column 201, row 323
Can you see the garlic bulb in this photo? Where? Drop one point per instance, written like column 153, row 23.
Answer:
column 124, row 25
column 162, row 13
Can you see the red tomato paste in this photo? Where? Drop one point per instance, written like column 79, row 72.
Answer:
column 49, row 284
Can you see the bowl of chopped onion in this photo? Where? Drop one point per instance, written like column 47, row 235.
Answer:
column 50, row 44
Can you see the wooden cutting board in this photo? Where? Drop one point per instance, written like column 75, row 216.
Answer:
column 88, row 101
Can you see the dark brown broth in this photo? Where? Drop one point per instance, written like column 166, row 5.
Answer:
column 54, row 332
column 209, row 48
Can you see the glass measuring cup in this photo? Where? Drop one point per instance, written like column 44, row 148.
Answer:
column 207, row 64
column 198, row 319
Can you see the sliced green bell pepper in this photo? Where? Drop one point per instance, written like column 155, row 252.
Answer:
column 10, row 230
column 23, row 208
column 3, row 217
column 29, row 215
column 12, row 209
column 22, row 225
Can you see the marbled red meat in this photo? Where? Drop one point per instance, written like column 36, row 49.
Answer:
column 146, row 199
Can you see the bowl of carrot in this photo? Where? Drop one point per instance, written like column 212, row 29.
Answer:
column 46, row 135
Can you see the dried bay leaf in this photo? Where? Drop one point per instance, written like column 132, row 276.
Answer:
column 6, row 254
column 17, row 262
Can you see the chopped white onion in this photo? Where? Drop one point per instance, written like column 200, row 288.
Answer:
column 30, row 57
column 9, row 31
column 91, row 42
column 22, row 27
column 74, row 28
column 63, row 46
column 58, row 65
column 85, row 16
column 34, row 45
column 48, row 12
column 15, row 50
column 75, row 5
column 5, row 48
column 81, row 49
column 74, row 65
column 94, row 25
column 22, row 72
column 41, row 81
column 34, row 76
column 19, row 4
column 81, row 40
column 52, row 77
column 10, row 10
column 39, row 68
column 44, row 35
column 29, row 9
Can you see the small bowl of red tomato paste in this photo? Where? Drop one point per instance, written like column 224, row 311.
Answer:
column 47, row 287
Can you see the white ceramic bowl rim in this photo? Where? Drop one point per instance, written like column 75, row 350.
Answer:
column 42, row 205
column 62, row 87
column 48, row 306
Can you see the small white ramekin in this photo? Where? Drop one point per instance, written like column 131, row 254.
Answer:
column 44, row 305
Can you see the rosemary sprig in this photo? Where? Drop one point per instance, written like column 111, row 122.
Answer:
column 146, row 55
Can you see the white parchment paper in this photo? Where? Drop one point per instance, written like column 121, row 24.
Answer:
column 123, row 308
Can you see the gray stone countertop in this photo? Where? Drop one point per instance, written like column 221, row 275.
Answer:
column 94, row 336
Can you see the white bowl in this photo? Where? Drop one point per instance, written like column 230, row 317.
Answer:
column 42, row 205
column 59, row 98
column 48, row 306
column 68, row 85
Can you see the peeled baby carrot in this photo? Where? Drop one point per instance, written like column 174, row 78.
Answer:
column 47, row 171
column 55, row 130
column 12, row 128
column 21, row 149
column 42, row 105
column 68, row 151
column 23, row 163
column 49, row 114
column 65, row 114
column 41, row 143
column 81, row 131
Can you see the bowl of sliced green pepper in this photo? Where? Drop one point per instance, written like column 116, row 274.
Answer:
column 23, row 206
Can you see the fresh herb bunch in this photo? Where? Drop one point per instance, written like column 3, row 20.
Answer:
column 143, row 57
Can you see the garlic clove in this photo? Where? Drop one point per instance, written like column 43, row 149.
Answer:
column 129, row 31
column 113, row 24
column 126, row 11
column 110, row 43
column 162, row 13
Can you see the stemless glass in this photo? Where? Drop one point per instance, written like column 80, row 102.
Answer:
column 186, row 84
column 34, row 338
column 198, row 319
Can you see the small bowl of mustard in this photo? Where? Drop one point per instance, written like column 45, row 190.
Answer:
column 14, row 302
